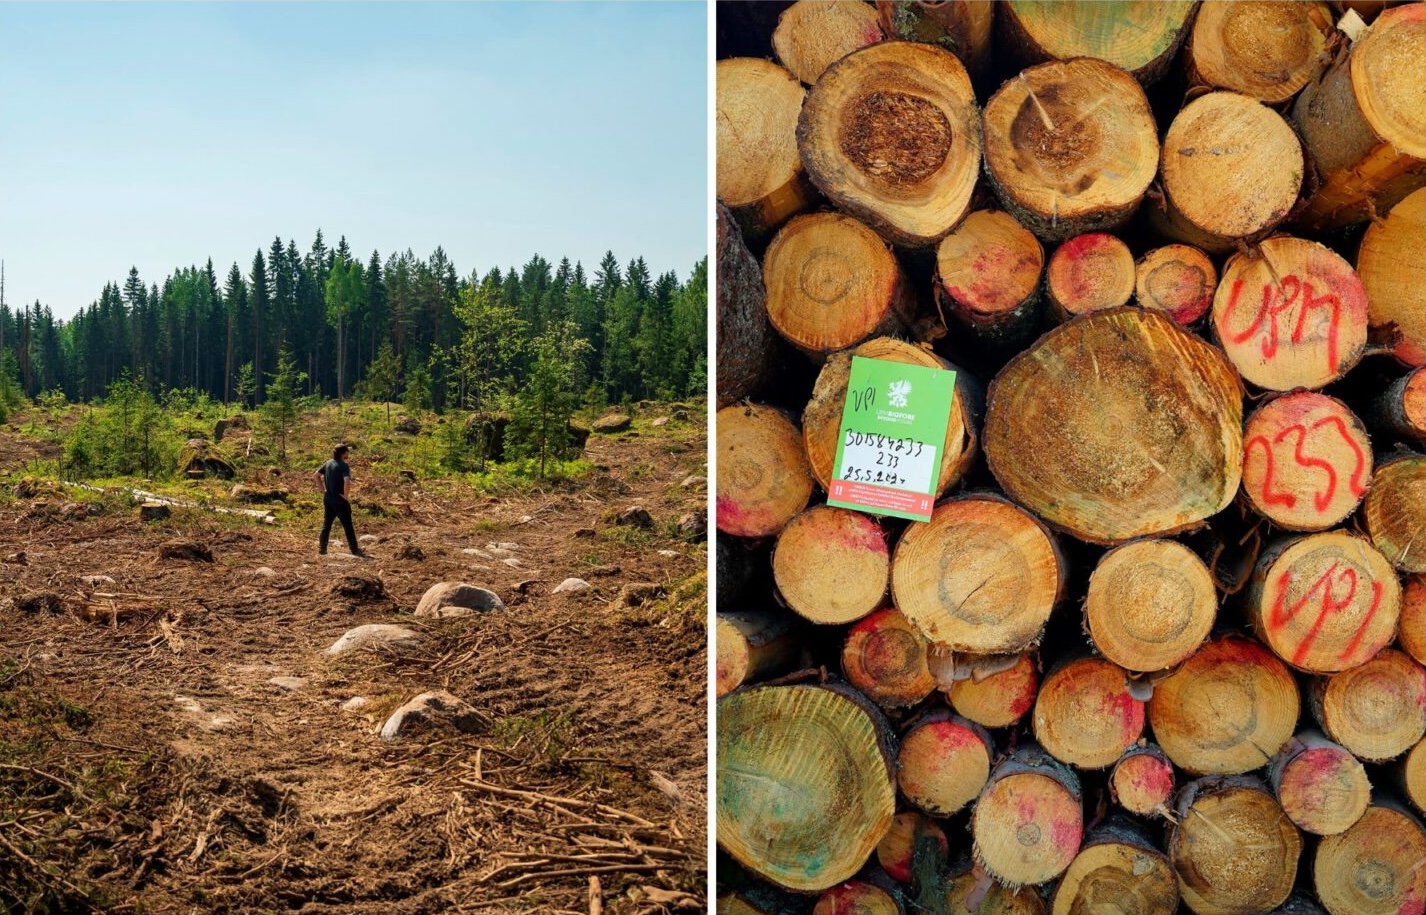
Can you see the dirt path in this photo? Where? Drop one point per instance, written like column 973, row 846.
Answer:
column 241, row 794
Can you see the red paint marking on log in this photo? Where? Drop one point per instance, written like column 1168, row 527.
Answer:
column 858, row 532
column 1279, row 298
column 1067, row 832
column 1358, row 489
column 1080, row 252
column 951, row 738
column 871, row 35
column 1026, row 700
column 731, row 512
column 1323, row 498
column 1127, row 710
column 1150, row 775
column 1280, row 614
column 1361, row 632
column 1269, row 497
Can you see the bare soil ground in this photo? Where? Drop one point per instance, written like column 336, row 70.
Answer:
column 149, row 763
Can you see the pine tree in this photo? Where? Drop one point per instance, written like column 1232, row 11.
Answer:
column 280, row 409
column 547, row 400
column 262, row 308
column 382, row 376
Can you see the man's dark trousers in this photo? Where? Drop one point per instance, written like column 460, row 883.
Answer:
column 335, row 507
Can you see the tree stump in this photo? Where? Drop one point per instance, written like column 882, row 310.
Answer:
column 1322, row 787
column 1307, row 461
column 1116, row 425
column 753, row 646
column 1324, row 602
column 1142, row 781
column 884, row 656
column 1374, row 868
column 822, row 418
column 1150, row 604
column 1028, row 823
column 988, row 272
column 1089, row 273
column 1376, row 710
column 811, row 36
column 891, row 135
column 1264, row 50
column 944, row 762
column 1140, row 36
column 831, row 565
column 760, row 174
column 981, row 576
column 1364, row 123
column 1392, row 265
column 1234, row 851
column 746, row 344
column 1070, row 147
column 1395, row 512
column 1118, row 869
column 763, row 478
column 999, row 699
column 1290, row 314
column 1085, row 716
column 805, row 786
column 832, row 283
column 1178, row 280
column 1232, row 169
column 1226, row 710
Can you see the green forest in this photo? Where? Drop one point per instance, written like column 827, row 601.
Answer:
column 401, row 328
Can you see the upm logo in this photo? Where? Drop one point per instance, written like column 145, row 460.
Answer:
column 896, row 393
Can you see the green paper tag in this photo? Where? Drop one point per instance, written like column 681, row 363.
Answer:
column 889, row 445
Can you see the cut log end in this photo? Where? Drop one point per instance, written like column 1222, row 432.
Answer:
column 1392, row 265
column 897, row 851
column 1089, row 273
column 1070, row 146
column 1232, row 848
column 1413, row 776
column 1142, row 781
column 1140, row 36
column 1085, row 715
column 811, row 36
column 1322, row 787
column 1226, row 710
column 1178, row 280
column 1116, row 425
column 856, row 897
column 759, row 169
column 891, row 134
column 1395, row 512
column 1411, row 634
column 981, row 576
column 975, row 893
column 831, row 565
column 1307, row 461
column 752, row 646
column 1290, row 314
column 988, row 269
column 1150, row 604
column 1267, row 51
column 1376, row 710
column 1375, row 867
column 763, row 477
column 944, row 763
column 884, row 656
column 804, row 786
column 1028, row 823
column 997, row 700
column 1117, row 875
column 1324, row 602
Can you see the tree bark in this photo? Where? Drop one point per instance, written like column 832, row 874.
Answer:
column 1232, row 170
column 1226, row 710
column 833, row 283
column 805, row 783
column 1178, row 280
column 981, row 576
column 831, row 565
column 891, row 135
column 763, row 478
column 1290, row 313
column 746, row 344
column 1070, row 147
column 1150, row 604
column 910, row 829
column 1070, row 434
column 1364, row 125
column 1400, row 410
column 1307, row 461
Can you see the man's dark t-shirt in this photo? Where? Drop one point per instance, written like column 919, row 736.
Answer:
column 333, row 473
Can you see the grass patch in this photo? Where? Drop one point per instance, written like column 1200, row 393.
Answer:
column 548, row 735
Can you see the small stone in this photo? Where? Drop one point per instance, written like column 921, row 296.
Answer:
column 495, row 552
column 612, row 422
column 693, row 480
column 639, row 593
column 693, row 526
column 40, row 602
column 572, row 584
column 637, row 516
column 605, row 571
column 455, row 595
column 478, row 554
column 154, row 511
column 407, row 425
column 669, row 554
column 513, row 563
column 265, row 572
column 408, row 476
column 291, row 684
column 95, row 581
column 412, row 553
column 504, row 545
column 661, row 421
column 355, row 703
column 359, row 587
column 681, row 415
column 375, row 634
column 436, row 709
column 368, row 539
column 526, row 519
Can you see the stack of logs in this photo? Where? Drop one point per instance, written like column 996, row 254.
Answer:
column 1161, row 644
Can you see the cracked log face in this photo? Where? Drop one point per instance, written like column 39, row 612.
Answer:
column 805, row 785
column 1117, row 425
column 1233, row 849
column 1070, row 147
column 891, row 134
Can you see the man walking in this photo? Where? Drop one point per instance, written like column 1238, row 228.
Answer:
column 335, row 480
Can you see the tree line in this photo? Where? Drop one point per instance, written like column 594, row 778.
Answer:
column 400, row 327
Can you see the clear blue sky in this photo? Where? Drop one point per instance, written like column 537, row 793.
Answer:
column 160, row 134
